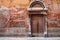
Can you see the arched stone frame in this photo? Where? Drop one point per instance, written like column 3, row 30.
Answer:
column 37, row 2
column 40, row 2
column 43, row 10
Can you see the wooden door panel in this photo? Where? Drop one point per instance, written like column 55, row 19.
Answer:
column 34, row 22
column 34, row 27
column 40, row 24
column 37, row 23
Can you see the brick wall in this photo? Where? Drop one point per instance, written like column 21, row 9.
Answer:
column 53, row 13
column 19, row 18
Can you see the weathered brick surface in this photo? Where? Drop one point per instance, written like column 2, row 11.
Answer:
column 53, row 21
column 53, row 17
column 19, row 19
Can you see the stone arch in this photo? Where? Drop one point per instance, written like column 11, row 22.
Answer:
column 37, row 2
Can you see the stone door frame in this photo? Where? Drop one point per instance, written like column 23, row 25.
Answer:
column 42, row 9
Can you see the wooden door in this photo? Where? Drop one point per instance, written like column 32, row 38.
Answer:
column 36, row 23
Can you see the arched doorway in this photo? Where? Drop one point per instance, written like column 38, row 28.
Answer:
column 37, row 4
column 37, row 19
